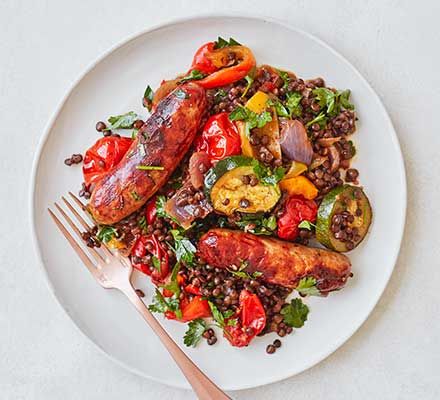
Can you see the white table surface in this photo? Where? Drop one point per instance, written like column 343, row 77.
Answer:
column 45, row 45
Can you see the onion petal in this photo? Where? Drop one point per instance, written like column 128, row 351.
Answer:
column 335, row 158
column 294, row 141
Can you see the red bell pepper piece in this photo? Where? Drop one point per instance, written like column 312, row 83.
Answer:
column 151, row 210
column 297, row 209
column 251, row 320
column 193, row 289
column 201, row 62
column 242, row 62
column 197, row 307
column 158, row 250
column 219, row 138
column 104, row 155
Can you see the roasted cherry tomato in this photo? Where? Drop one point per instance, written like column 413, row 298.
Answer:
column 201, row 62
column 197, row 307
column 219, row 138
column 151, row 210
column 104, row 155
column 297, row 209
column 150, row 245
column 193, row 289
column 251, row 320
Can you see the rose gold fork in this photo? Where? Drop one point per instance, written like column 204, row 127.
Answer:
column 113, row 271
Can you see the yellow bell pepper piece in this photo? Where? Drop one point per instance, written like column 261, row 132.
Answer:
column 115, row 244
column 299, row 185
column 296, row 168
column 246, row 147
column 257, row 103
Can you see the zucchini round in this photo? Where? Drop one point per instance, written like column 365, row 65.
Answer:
column 228, row 193
column 353, row 207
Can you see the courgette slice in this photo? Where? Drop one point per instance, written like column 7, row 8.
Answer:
column 228, row 193
column 353, row 201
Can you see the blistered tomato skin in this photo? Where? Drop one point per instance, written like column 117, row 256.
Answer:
column 220, row 138
column 103, row 156
column 297, row 209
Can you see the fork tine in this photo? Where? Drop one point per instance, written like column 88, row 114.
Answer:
column 85, row 259
column 81, row 219
column 91, row 250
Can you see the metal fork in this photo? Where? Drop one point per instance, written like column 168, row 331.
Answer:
column 113, row 271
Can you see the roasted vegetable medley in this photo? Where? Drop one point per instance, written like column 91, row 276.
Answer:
column 218, row 194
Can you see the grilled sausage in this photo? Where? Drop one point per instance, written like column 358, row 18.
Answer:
column 163, row 141
column 280, row 262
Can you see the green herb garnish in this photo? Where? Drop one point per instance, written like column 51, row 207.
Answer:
column 293, row 104
column 267, row 176
column 221, row 43
column 307, row 286
column 321, row 119
column 295, row 313
column 135, row 195
column 150, row 167
column 253, row 120
column 106, row 233
column 123, row 121
column 173, row 286
column 161, row 305
column 148, row 98
column 156, row 263
column 333, row 100
column 195, row 331
column 306, row 225
column 194, row 75
column 183, row 247
column 241, row 273
column 263, row 225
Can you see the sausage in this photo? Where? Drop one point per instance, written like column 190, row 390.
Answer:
column 281, row 263
column 162, row 141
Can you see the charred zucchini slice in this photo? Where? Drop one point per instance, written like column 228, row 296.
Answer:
column 226, row 187
column 344, row 217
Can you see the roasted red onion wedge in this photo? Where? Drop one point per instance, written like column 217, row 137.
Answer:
column 294, row 141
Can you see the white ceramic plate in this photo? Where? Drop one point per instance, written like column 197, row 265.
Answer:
column 115, row 84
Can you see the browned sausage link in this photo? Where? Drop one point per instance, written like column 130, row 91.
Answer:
column 281, row 263
column 162, row 142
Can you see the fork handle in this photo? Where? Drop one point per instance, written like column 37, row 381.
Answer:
column 201, row 384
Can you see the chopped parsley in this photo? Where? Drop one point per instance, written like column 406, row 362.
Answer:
column 106, row 233
column 183, row 248
column 293, row 104
column 252, row 119
column 321, row 119
column 147, row 101
column 241, row 273
column 267, row 176
column 161, row 305
column 220, row 95
column 285, row 77
column 306, row 225
column 173, row 286
column 221, row 43
column 142, row 223
column 257, row 224
column 249, row 80
column 193, row 335
column 160, row 206
column 156, row 263
column 123, row 121
column 135, row 195
column 295, row 313
column 194, row 75
column 307, row 286
column 334, row 101
column 150, row 167
column 222, row 319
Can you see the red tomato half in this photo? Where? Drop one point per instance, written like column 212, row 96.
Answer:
column 297, row 209
column 251, row 320
column 219, row 138
column 104, row 155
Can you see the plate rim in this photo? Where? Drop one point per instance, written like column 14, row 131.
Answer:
column 168, row 23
